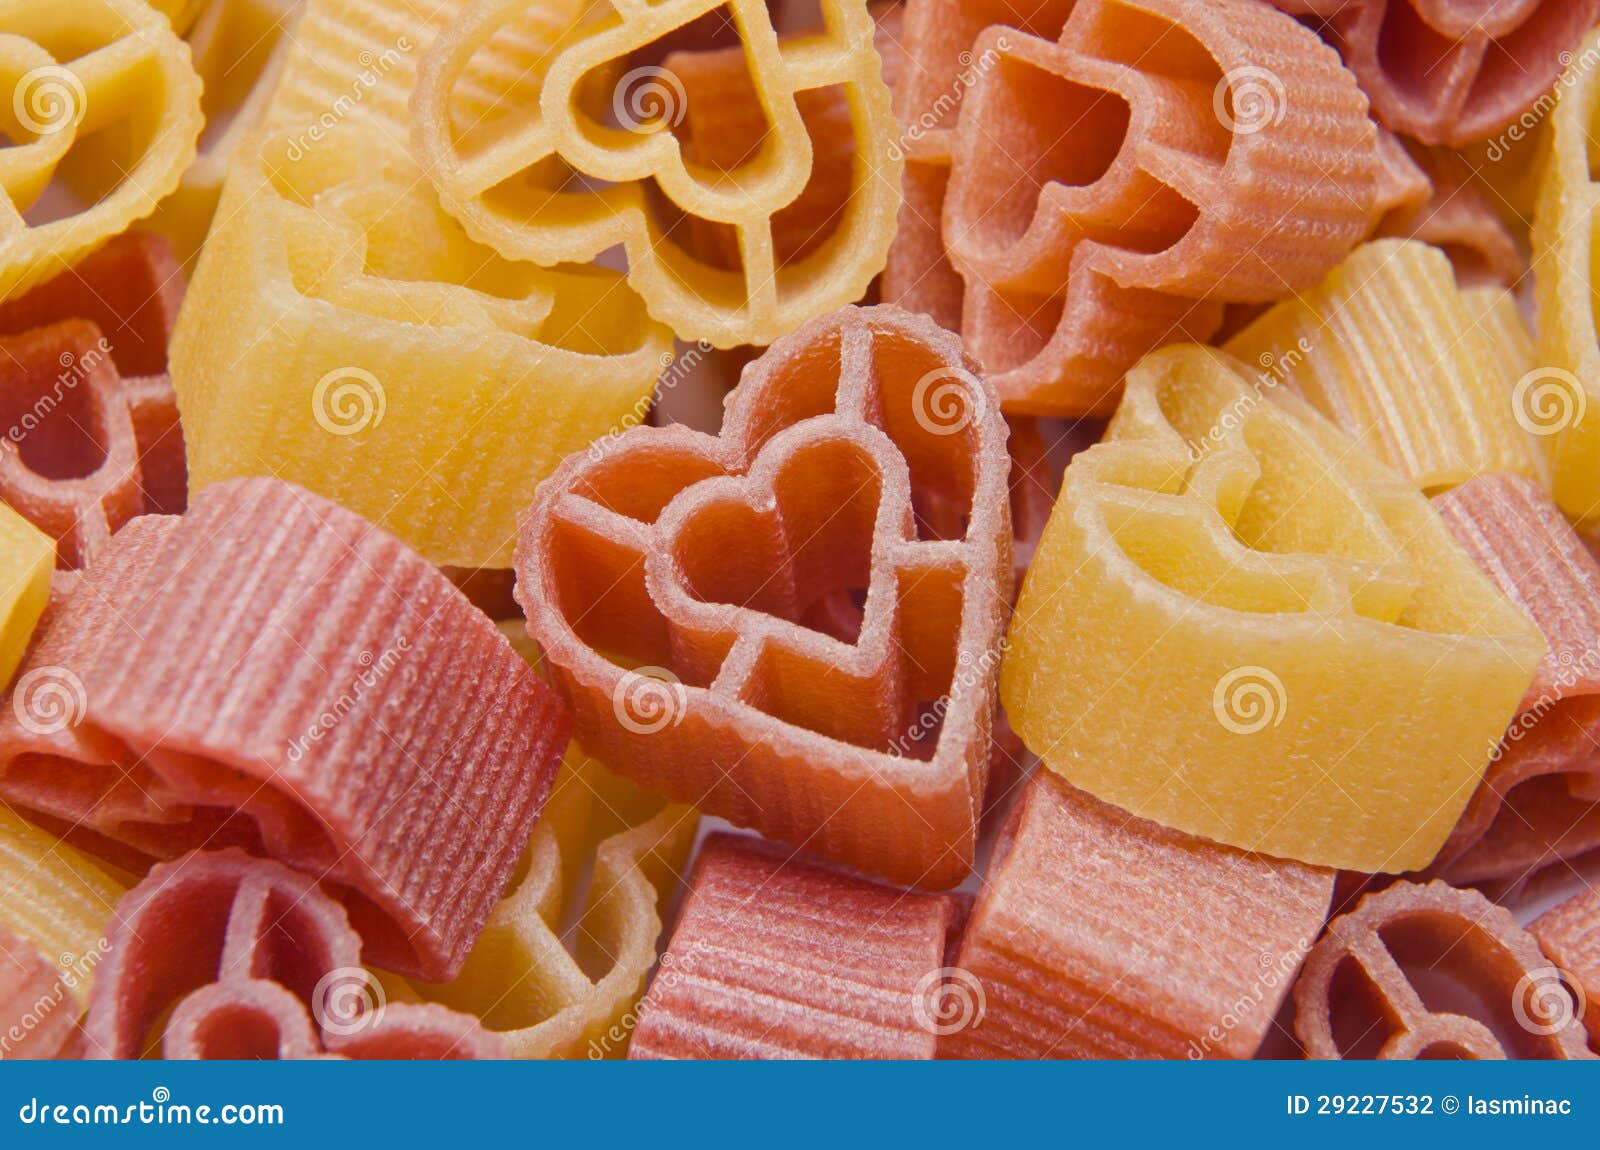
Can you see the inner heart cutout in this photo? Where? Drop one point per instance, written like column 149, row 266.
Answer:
column 808, row 521
column 795, row 625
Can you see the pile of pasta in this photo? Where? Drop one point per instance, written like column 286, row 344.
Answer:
column 738, row 529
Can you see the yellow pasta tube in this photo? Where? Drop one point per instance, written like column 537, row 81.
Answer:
column 342, row 332
column 1562, row 398
column 95, row 86
column 546, row 1000
column 27, row 557
column 56, row 898
column 1239, row 624
column 1389, row 348
column 1499, row 320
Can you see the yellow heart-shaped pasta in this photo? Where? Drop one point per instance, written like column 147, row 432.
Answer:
column 505, row 170
column 1239, row 624
column 95, row 86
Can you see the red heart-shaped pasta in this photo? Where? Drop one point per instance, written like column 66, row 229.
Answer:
column 796, row 624
column 253, row 960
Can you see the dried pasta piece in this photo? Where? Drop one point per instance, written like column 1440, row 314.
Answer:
column 253, row 960
column 1361, row 992
column 1496, row 312
column 1512, row 166
column 1453, row 212
column 515, row 178
column 860, row 459
column 1389, row 349
column 418, row 1031
column 38, row 1019
column 724, row 126
column 343, row 333
column 1190, row 180
column 56, row 906
column 69, row 462
column 778, row 956
column 1099, row 935
column 1235, row 619
column 26, row 558
column 237, row 47
column 314, row 691
column 1520, row 539
column 163, row 467
column 130, row 288
column 1539, row 821
column 1452, row 71
column 512, row 176
column 99, row 83
column 1569, row 935
column 527, row 986
column 1562, row 399
column 1402, row 183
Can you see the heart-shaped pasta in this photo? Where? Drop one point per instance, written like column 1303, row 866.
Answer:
column 94, row 82
column 522, row 979
column 1359, row 996
column 344, row 333
column 254, row 960
column 1076, row 198
column 1451, row 71
column 1240, row 625
column 507, row 173
column 794, row 625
